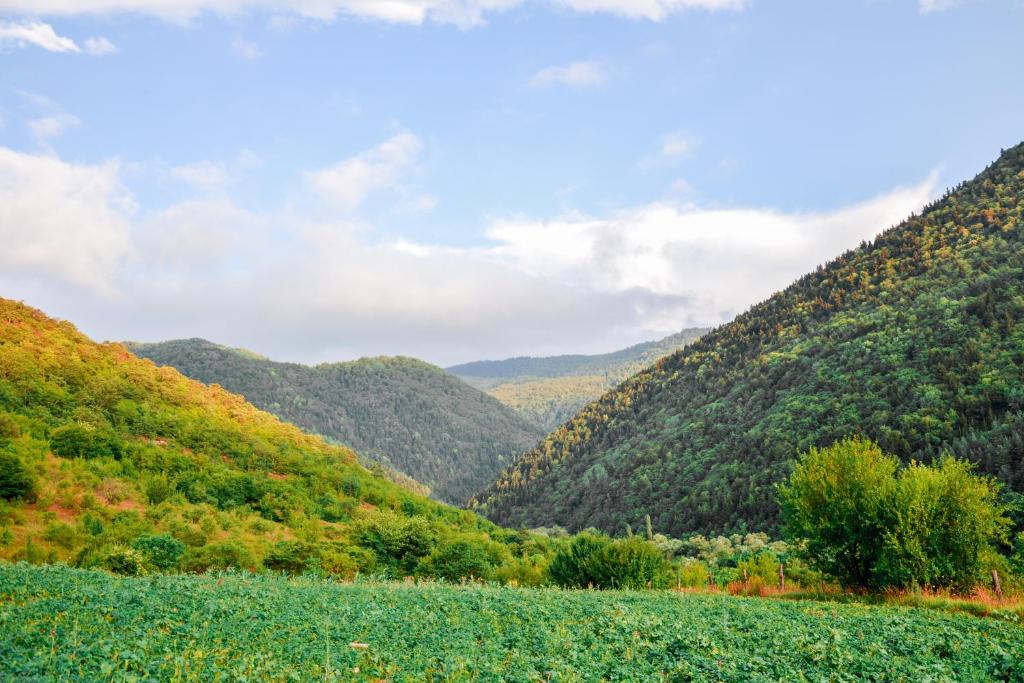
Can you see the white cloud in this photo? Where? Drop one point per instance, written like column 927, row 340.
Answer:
column 61, row 221
column 97, row 46
column 574, row 75
column 52, row 126
column 654, row 10
column 296, row 287
column 678, row 144
column 205, row 176
column 245, row 49
column 348, row 183
column 35, row 33
column 681, row 186
column 40, row 34
column 463, row 13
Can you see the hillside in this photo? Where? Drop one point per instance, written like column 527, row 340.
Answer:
column 549, row 390
column 105, row 457
column 915, row 340
column 402, row 412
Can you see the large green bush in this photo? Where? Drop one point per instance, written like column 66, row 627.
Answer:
column 16, row 481
column 594, row 560
column 76, row 440
column 162, row 551
column 869, row 525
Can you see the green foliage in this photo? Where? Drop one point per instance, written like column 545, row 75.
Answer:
column 870, row 527
column 293, row 557
column 945, row 524
column 458, row 560
column 402, row 412
column 126, row 561
column 219, row 555
column 912, row 340
column 398, row 542
column 594, row 560
column 145, row 466
column 162, row 551
column 838, row 499
column 16, row 480
column 76, row 440
column 237, row 627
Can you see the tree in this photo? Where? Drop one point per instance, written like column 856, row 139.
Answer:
column 163, row 551
column 836, row 501
column 16, row 481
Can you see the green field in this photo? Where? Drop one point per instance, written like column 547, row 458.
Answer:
column 65, row 624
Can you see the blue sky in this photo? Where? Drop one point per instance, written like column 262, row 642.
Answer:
column 462, row 179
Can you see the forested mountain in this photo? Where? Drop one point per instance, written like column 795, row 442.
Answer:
column 105, row 457
column 549, row 390
column 915, row 340
column 403, row 412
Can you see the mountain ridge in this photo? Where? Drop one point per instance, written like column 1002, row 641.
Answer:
column 914, row 339
column 403, row 412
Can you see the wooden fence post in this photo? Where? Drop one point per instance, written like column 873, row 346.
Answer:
column 782, row 576
column 746, row 579
column 998, row 586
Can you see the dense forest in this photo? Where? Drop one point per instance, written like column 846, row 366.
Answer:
column 402, row 412
column 549, row 390
column 915, row 340
column 108, row 460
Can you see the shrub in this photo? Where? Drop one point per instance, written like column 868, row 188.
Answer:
column 943, row 520
column 869, row 527
column 126, row 561
column 16, row 481
column 595, row 560
column 222, row 555
column 460, row 559
column 291, row 556
column 692, row 574
column 157, row 488
column 162, row 551
column 76, row 440
column 574, row 564
column 398, row 542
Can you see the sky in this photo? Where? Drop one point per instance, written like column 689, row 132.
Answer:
column 456, row 180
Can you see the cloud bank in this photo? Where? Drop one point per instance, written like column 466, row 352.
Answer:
column 296, row 286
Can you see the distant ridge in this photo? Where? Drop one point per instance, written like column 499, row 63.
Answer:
column 402, row 412
column 548, row 390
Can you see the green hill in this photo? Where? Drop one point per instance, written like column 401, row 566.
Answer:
column 402, row 412
column 106, row 458
column 549, row 390
column 915, row 340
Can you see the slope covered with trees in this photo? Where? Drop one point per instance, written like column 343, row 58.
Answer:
column 915, row 340
column 548, row 390
column 402, row 412
column 108, row 460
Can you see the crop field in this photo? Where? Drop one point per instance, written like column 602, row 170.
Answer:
column 58, row 623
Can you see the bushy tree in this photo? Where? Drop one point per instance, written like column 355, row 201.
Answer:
column 457, row 560
column 943, row 520
column 598, row 561
column 869, row 525
column 293, row 557
column 836, row 499
column 16, row 481
column 76, row 440
column 162, row 551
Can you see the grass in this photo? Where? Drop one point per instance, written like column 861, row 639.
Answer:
column 58, row 623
